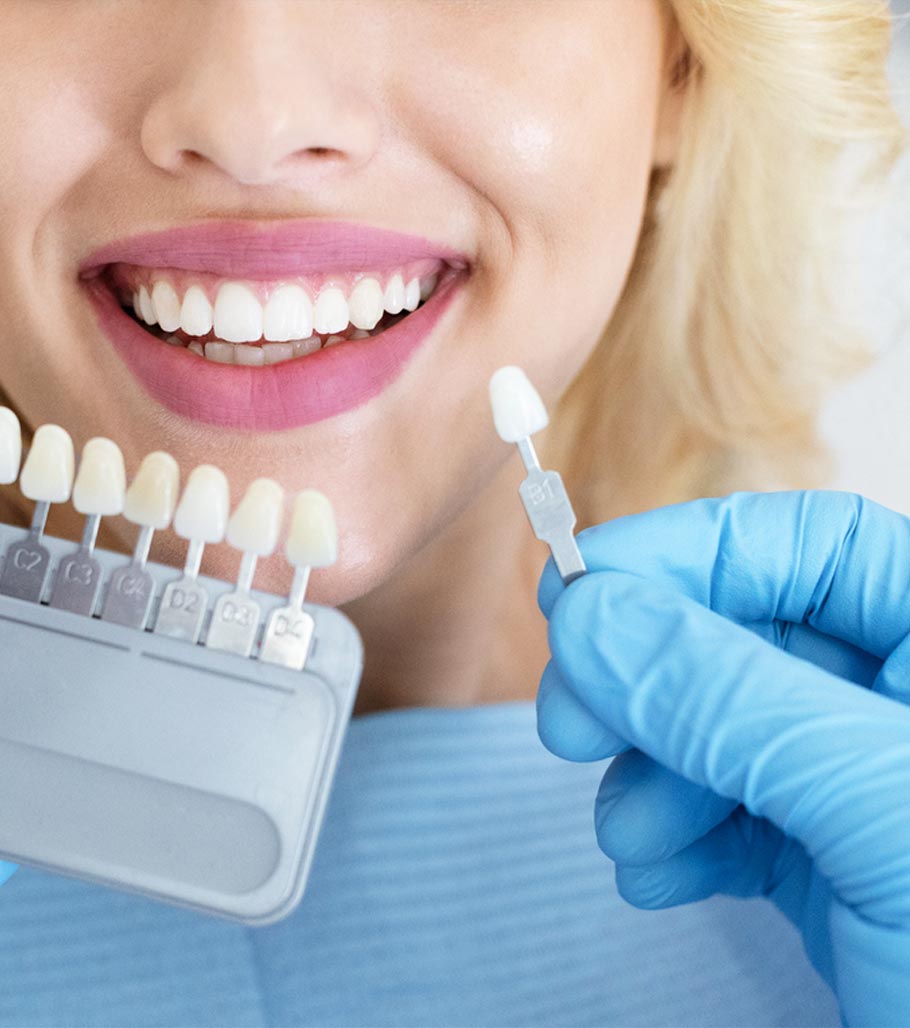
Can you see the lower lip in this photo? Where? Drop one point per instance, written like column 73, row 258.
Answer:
column 292, row 394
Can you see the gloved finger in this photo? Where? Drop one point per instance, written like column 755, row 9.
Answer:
column 825, row 761
column 566, row 727
column 893, row 680
column 737, row 858
column 7, row 870
column 834, row 560
column 834, row 655
column 645, row 812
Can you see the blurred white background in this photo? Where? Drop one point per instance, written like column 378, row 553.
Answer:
column 867, row 423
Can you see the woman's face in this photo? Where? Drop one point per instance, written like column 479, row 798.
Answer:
column 504, row 146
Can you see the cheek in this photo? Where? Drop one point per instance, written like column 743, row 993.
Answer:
column 551, row 127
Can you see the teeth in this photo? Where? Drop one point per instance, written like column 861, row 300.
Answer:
column 145, row 309
column 196, row 313
column 365, row 304
column 304, row 346
column 331, row 311
column 196, row 347
column 273, row 353
column 250, row 356
column 333, row 339
column 221, row 353
column 412, row 295
column 394, row 295
column 427, row 285
column 238, row 314
column 166, row 305
column 288, row 315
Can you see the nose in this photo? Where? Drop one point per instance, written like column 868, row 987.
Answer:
column 252, row 91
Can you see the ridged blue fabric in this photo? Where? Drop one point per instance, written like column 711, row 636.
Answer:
column 457, row 883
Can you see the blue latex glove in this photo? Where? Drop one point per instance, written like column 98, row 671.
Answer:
column 755, row 650
column 6, row 870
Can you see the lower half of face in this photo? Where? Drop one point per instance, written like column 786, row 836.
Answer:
column 524, row 164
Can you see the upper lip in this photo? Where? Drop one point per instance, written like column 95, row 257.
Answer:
column 246, row 249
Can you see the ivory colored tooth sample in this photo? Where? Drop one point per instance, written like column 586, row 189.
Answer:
column 99, row 491
column 47, row 475
column 152, row 495
column 313, row 535
column 518, row 411
column 201, row 517
column 10, row 446
column 100, row 487
column 253, row 529
column 46, row 478
column 312, row 543
column 255, row 525
column 202, row 513
column 150, row 501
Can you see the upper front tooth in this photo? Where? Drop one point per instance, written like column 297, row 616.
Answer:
column 196, row 313
column 166, row 305
column 331, row 313
column 394, row 295
column 365, row 304
column 288, row 315
column 146, row 310
column 412, row 295
column 238, row 314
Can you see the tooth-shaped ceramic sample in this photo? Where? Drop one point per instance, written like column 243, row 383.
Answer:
column 10, row 446
column 196, row 312
column 518, row 411
column 237, row 315
column 313, row 536
column 365, row 306
column 152, row 495
column 256, row 523
column 331, row 311
column 47, row 474
column 202, row 512
column 288, row 314
column 393, row 300
column 166, row 305
column 100, row 486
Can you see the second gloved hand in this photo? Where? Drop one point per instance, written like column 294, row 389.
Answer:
column 755, row 771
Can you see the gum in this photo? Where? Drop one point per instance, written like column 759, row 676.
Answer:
column 126, row 279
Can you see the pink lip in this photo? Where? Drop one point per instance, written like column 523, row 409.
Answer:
column 242, row 249
column 278, row 396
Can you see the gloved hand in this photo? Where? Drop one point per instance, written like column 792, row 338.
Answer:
column 755, row 652
column 6, row 870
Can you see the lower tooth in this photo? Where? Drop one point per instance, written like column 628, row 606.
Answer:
column 333, row 339
column 196, row 347
column 275, row 352
column 304, row 346
column 222, row 353
column 251, row 356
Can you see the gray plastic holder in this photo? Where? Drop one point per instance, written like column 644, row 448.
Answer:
column 158, row 766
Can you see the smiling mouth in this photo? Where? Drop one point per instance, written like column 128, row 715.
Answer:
column 254, row 323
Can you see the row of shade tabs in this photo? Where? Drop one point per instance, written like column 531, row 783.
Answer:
column 202, row 517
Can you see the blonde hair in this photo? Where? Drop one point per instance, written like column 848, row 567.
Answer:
column 710, row 373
